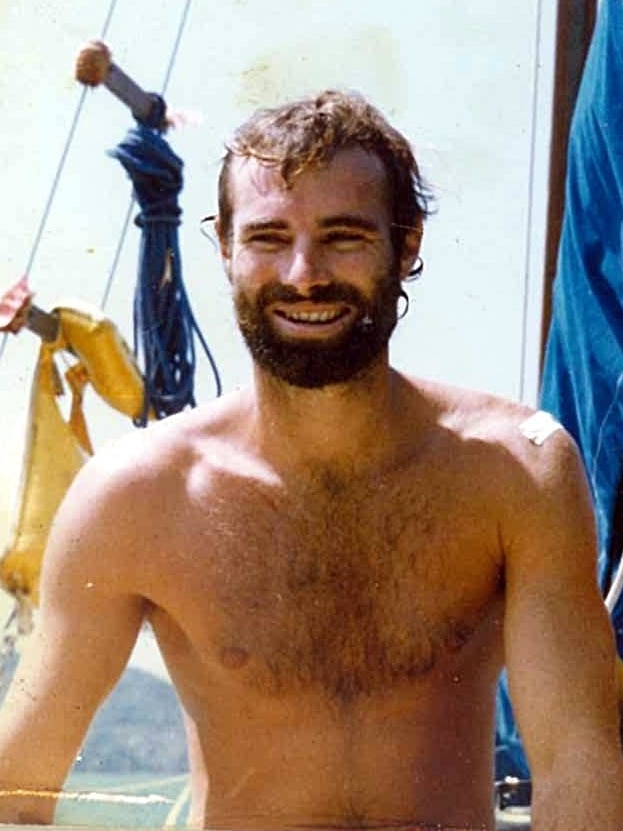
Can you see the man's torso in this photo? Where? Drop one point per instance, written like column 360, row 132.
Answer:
column 336, row 638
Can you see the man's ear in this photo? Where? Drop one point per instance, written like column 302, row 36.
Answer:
column 411, row 248
column 224, row 244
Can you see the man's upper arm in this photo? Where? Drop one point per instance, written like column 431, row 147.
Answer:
column 559, row 644
column 85, row 629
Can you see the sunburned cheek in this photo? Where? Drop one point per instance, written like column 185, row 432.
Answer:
column 245, row 262
column 360, row 265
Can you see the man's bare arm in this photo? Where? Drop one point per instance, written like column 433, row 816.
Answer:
column 86, row 627
column 560, row 650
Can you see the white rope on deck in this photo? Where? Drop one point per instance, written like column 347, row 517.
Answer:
column 615, row 589
column 91, row 796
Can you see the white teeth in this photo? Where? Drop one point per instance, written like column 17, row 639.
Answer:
column 313, row 317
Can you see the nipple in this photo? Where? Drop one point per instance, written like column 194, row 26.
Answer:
column 234, row 657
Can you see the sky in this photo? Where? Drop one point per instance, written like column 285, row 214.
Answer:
column 469, row 84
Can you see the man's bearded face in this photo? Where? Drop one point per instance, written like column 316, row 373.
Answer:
column 313, row 363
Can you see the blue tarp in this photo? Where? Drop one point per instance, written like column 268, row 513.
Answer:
column 583, row 372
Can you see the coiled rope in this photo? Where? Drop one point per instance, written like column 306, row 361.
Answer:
column 131, row 206
column 166, row 331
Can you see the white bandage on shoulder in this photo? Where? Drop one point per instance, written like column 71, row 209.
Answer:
column 539, row 427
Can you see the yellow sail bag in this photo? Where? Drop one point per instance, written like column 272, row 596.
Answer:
column 56, row 447
column 53, row 456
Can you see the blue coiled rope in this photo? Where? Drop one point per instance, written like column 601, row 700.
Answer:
column 164, row 324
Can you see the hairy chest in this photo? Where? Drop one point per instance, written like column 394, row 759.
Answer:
column 349, row 590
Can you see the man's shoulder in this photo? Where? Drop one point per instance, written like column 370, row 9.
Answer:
column 488, row 422
column 130, row 495
column 470, row 411
column 155, row 462
column 152, row 449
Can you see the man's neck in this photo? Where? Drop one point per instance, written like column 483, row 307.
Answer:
column 351, row 425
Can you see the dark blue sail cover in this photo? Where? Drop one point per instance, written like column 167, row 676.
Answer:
column 583, row 373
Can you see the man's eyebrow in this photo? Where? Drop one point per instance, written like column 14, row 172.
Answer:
column 264, row 225
column 355, row 221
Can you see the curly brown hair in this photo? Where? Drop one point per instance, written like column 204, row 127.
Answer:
column 308, row 132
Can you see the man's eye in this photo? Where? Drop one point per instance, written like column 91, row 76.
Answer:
column 266, row 241
column 345, row 239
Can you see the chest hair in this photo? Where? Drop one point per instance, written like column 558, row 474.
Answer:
column 345, row 589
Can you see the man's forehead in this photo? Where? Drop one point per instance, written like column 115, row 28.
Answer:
column 247, row 171
column 349, row 171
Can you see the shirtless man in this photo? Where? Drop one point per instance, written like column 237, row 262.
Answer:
column 336, row 561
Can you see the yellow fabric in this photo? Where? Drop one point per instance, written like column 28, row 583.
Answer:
column 52, row 458
column 107, row 360
column 77, row 378
column 56, row 448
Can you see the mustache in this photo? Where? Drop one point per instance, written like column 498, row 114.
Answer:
column 329, row 293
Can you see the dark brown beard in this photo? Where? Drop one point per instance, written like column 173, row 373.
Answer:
column 312, row 365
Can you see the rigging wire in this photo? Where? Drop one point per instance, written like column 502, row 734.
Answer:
column 21, row 608
column 188, row 315
column 530, row 223
column 131, row 206
column 64, row 154
column 56, row 181
column 34, row 249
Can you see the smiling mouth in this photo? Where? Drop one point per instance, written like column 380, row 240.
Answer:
column 313, row 317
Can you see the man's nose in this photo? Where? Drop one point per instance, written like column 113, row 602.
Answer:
column 307, row 268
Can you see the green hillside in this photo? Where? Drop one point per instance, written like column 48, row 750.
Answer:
column 138, row 729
